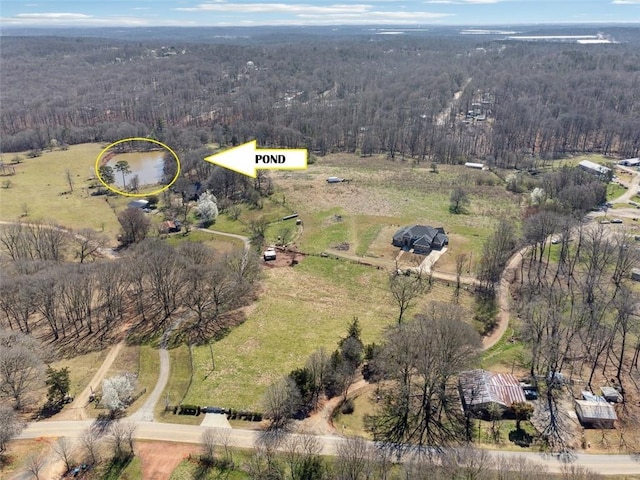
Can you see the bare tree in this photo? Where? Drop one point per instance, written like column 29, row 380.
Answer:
column 353, row 459
column 34, row 465
column 419, row 406
column 88, row 244
column 21, row 367
column 134, row 225
column 69, row 179
column 258, row 229
column 208, row 442
column 302, row 454
column 121, row 435
column 461, row 260
column 458, row 201
column 405, row 290
column 10, row 426
column 65, row 449
column 281, row 401
column 91, row 442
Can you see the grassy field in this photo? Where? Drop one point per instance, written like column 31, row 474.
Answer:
column 219, row 243
column 177, row 387
column 383, row 195
column 301, row 309
column 40, row 184
column 189, row 469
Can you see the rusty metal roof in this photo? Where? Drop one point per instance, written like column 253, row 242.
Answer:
column 480, row 387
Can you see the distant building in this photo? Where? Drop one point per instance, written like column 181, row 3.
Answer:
column 478, row 166
column 630, row 162
column 421, row 238
column 169, row 227
column 334, row 180
column 140, row 203
column 595, row 169
column 635, row 274
column 480, row 389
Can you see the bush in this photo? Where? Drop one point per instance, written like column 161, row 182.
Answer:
column 347, row 407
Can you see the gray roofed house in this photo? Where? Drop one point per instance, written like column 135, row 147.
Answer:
column 479, row 389
column 420, row 238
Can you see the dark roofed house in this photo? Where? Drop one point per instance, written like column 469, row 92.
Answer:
column 169, row 227
column 420, row 238
column 479, row 389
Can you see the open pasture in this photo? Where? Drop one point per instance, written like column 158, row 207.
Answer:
column 300, row 310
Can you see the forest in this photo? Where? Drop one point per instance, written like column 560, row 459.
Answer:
column 516, row 101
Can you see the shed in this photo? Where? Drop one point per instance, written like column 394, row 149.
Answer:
column 610, row 394
column 630, row 162
column 478, row 166
column 140, row 203
column 595, row 413
column 479, row 389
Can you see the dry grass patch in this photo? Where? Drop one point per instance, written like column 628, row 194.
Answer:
column 81, row 369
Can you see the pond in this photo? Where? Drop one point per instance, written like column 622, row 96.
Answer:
column 147, row 165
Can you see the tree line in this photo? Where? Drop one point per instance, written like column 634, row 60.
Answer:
column 153, row 281
column 349, row 95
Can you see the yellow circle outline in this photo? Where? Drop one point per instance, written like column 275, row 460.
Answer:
column 127, row 194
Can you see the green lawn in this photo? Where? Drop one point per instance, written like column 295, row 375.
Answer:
column 219, row 243
column 301, row 309
column 506, row 355
column 39, row 183
column 614, row 190
column 177, row 387
column 189, row 469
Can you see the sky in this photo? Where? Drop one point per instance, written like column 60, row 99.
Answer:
column 149, row 13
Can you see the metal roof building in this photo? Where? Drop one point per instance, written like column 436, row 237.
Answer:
column 594, row 168
column 595, row 413
column 480, row 388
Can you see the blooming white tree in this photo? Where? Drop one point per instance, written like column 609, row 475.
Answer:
column 207, row 208
column 537, row 196
column 116, row 391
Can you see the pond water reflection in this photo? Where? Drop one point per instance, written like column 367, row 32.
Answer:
column 147, row 165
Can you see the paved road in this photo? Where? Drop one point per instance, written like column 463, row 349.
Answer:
column 605, row 464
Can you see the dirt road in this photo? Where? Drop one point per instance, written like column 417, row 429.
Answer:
column 77, row 410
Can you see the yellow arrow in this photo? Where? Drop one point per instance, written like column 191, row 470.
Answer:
column 247, row 159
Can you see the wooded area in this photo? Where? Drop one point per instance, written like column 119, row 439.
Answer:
column 354, row 94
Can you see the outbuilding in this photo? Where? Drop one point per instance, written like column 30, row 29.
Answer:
column 595, row 413
column 139, row 203
column 334, row 180
column 477, row 166
column 595, row 169
column 630, row 162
